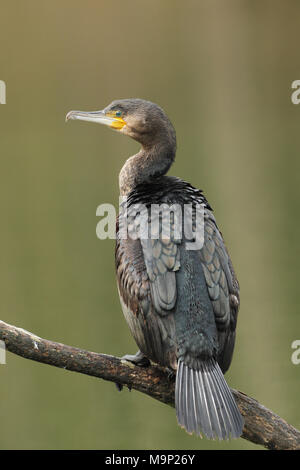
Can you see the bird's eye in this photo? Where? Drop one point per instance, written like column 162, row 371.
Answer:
column 118, row 113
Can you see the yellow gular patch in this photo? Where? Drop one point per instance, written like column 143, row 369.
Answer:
column 118, row 123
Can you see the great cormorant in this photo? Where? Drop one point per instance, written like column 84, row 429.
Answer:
column 181, row 304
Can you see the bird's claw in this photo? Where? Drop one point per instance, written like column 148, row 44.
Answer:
column 138, row 359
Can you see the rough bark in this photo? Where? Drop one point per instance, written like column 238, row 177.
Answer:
column 262, row 426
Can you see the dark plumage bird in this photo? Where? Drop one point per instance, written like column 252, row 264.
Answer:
column 181, row 304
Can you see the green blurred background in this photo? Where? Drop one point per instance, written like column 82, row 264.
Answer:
column 223, row 72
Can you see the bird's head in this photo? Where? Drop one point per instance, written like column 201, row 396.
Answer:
column 141, row 120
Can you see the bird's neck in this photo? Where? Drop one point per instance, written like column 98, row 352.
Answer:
column 148, row 163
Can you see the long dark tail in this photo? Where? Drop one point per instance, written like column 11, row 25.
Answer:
column 204, row 402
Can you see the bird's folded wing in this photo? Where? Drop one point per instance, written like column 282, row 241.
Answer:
column 222, row 286
column 161, row 261
column 161, row 255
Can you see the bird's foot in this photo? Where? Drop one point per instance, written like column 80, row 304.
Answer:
column 138, row 359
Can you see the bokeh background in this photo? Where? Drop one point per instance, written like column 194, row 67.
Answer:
column 223, row 72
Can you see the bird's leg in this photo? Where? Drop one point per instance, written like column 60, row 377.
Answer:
column 138, row 359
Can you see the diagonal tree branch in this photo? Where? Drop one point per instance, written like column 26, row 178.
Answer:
column 262, row 426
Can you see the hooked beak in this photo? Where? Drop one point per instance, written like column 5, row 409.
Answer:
column 97, row 116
